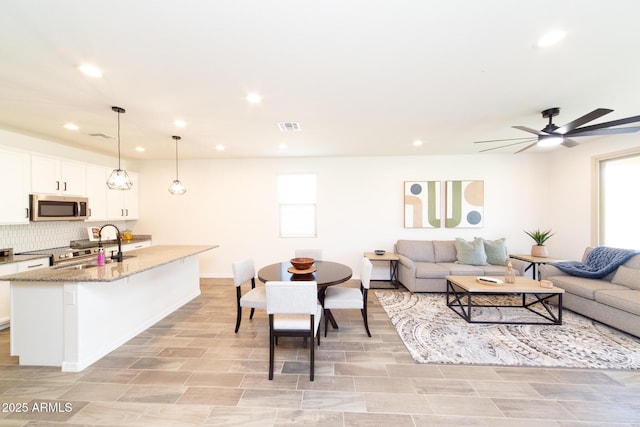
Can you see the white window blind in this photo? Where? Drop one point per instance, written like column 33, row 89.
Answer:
column 619, row 202
column 297, row 205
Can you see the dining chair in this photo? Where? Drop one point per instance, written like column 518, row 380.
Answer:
column 293, row 311
column 309, row 253
column 243, row 272
column 343, row 297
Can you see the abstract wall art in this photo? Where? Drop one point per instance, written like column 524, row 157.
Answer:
column 464, row 201
column 422, row 204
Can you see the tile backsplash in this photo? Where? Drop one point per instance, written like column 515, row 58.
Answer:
column 49, row 234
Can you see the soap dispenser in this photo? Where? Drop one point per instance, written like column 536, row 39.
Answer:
column 102, row 259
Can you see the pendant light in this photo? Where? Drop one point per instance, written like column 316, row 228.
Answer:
column 119, row 179
column 176, row 188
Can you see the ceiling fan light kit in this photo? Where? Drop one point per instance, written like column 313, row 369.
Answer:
column 552, row 135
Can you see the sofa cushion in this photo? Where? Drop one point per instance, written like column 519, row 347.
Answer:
column 430, row 270
column 629, row 277
column 627, row 300
column 471, row 253
column 444, row 250
column 585, row 288
column 496, row 251
column 416, row 250
column 457, row 269
column 634, row 262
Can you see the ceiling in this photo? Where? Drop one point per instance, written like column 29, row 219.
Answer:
column 361, row 77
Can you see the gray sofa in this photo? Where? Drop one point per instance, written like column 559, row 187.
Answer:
column 613, row 300
column 423, row 264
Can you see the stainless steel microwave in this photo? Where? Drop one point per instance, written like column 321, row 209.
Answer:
column 45, row 207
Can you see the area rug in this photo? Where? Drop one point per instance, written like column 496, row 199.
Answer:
column 433, row 333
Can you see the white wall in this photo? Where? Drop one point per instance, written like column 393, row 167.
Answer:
column 570, row 196
column 360, row 204
column 360, row 201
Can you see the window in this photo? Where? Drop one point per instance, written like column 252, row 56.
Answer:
column 618, row 201
column 297, row 204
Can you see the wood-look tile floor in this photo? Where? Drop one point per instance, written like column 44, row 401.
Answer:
column 191, row 369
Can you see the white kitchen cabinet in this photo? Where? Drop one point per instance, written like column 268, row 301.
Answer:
column 97, row 192
column 5, row 290
column 34, row 264
column 112, row 250
column 15, row 172
column 123, row 204
column 137, row 245
column 5, row 295
column 50, row 175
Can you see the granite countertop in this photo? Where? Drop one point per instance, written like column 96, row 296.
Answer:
column 135, row 261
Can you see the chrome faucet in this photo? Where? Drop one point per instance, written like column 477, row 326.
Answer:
column 118, row 256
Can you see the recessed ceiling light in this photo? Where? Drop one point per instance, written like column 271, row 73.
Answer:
column 417, row 143
column 283, row 146
column 140, row 149
column 70, row 126
column 254, row 98
column 90, row 70
column 220, row 147
column 551, row 38
column 180, row 123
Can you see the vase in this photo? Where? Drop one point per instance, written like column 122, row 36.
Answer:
column 539, row 251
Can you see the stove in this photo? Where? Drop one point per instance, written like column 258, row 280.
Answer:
column 65, row 254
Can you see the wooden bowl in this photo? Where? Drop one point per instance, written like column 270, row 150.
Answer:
column 302, row 263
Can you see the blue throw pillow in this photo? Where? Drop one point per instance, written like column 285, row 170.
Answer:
column 471, row 253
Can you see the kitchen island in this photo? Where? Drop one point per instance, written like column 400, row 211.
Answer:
column 74, row 315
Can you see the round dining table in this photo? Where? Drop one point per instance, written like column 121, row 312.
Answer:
column 327, row 273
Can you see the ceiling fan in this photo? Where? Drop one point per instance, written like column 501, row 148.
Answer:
column 552, row 135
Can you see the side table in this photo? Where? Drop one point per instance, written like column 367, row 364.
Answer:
column 392, row 259
column 534, row 262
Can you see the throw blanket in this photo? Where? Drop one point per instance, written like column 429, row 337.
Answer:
column 600, row 262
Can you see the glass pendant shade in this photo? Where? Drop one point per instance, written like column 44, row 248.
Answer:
column 119, row 178
column 177, row 188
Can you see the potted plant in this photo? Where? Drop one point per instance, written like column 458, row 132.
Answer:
column 540, row 237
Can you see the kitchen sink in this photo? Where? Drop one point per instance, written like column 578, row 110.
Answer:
column 89, row 264
column 76, row 266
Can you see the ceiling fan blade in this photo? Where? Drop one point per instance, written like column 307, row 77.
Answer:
column 608, row 131
column 569, row 143
column 595, row 114
column 509, row 145
column 534, row 131
column 527, row 147
column 501, row 140
column 610, row 124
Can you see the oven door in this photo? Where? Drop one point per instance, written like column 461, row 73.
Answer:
column 58, row 208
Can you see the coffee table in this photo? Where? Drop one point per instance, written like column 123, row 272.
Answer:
column 461, row 291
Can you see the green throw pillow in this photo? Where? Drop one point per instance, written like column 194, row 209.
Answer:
column 471, row 253
column 496, row 251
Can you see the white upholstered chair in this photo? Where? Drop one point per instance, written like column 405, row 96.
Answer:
column 293, row 311
column 309, row 253
column 343, row 297
column 244, row 272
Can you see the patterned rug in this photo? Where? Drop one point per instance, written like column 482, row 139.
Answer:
column 433, row 333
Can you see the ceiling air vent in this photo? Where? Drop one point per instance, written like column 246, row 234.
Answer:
column 102, row 135
column 289, row 126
